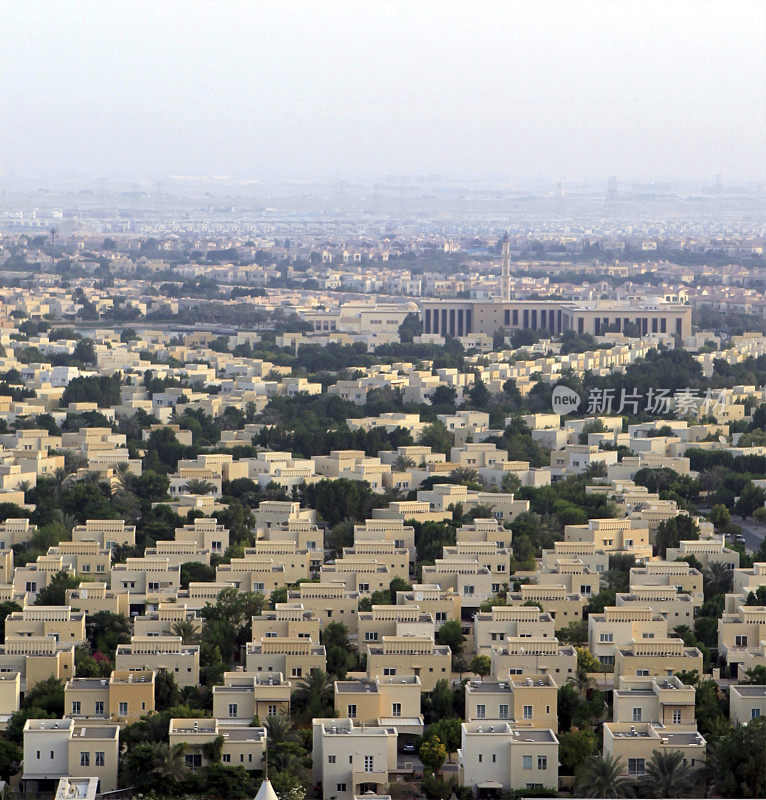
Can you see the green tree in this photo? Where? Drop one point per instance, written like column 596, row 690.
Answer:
column 480, row 665
column 575, row 747
column 312, row 696
column 448, row 731
column 668, row 775
column 437, row 437
column 166, row 691
column 169, row 762
column 432, row 753
column 751, row 498
column 736, row 762
column 47, row 695
column 54, row 594
column 187, row 630
column 602, row 776
column 574, row 633
column 451, row 634
column 340, row 656
column 11, row 756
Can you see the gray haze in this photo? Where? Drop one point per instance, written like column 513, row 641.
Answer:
column 337, row 90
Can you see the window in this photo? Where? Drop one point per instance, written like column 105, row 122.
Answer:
column 123, row 709
column 481, row 757
column 364, row 587
column 648, row 636
column 341, row 787
column 527, row 712
column 677, row 716
column 481, row 711
column 642, row 673
column 296, row 672
column 99, row 707
column 606, row 637
column 232, row 709
column 271, row 711
column 542, row 762
column 31, row 586
column 636, row 766
column 193, row 760
column 389, row 670
column 396, row 710
column 330, row 759
column 636, row 715
column 469, row 590
column 369, row 764
column 84, row 759
column 503, row 712
column 741, row 640
column 351, row 710
column 371, row 636
column 75, row 708
column 755, row 713
column 226, row 758
column 526, row 762
column 99, row 758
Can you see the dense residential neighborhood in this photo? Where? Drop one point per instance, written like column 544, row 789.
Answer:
column 280, row 516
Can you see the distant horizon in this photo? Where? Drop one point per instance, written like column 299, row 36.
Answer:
column 333, row 90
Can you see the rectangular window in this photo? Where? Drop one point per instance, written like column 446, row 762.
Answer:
column 636, row 715
column 75, row 708
column 481, row 758
column 516, row 316
column 606, row 637
column 123, row 709
column 99, row 758
column 636, row 766
column 99, row 708
column 330, row 759
column 677, row 716
column 84, row 759
column 341, row 787
column 481, row 711
column 296, row 672
column 755, row 713
column 527, row 712
column 271, row 711
column 389, row 670
column 741, row 640
column 369, row 764
column 526, row 762
column 351, row 710
column 226, row 758
column 642, row 673
column 503, row 712
column 396, row 710
column 542, row 762
column 232, row 709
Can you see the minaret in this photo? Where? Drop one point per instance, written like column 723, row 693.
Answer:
column 505, row 292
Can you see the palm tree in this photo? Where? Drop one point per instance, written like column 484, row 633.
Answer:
column 667, row 775
column 23, row 486
column 122, row 477
column 188, row 632
column 581, row 680
column 273, row 375
column 712, row 478
column 464, row 475
column 312, row 694
column 169, row 761
column 196, row 486
column 402, row 463
column 279, row 731
column 718, row 577
column 602, row 776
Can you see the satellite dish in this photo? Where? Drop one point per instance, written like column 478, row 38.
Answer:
column 722, row 439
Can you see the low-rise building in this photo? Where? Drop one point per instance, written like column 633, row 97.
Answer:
column 746, row 703
column 500, row 757
column 410, row 655
column 161, row 653
column 532, row 657
column 246, row 696
column 57, row 748
column 350, row 760
column 124, row 697
column 656, row 658
column 531, row 702
column 240, row 745
column 492, row 628
column 294, row 657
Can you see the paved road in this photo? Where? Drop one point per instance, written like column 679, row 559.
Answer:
column 752, row 531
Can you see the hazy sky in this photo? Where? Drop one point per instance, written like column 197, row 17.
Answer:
column 340, row 89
